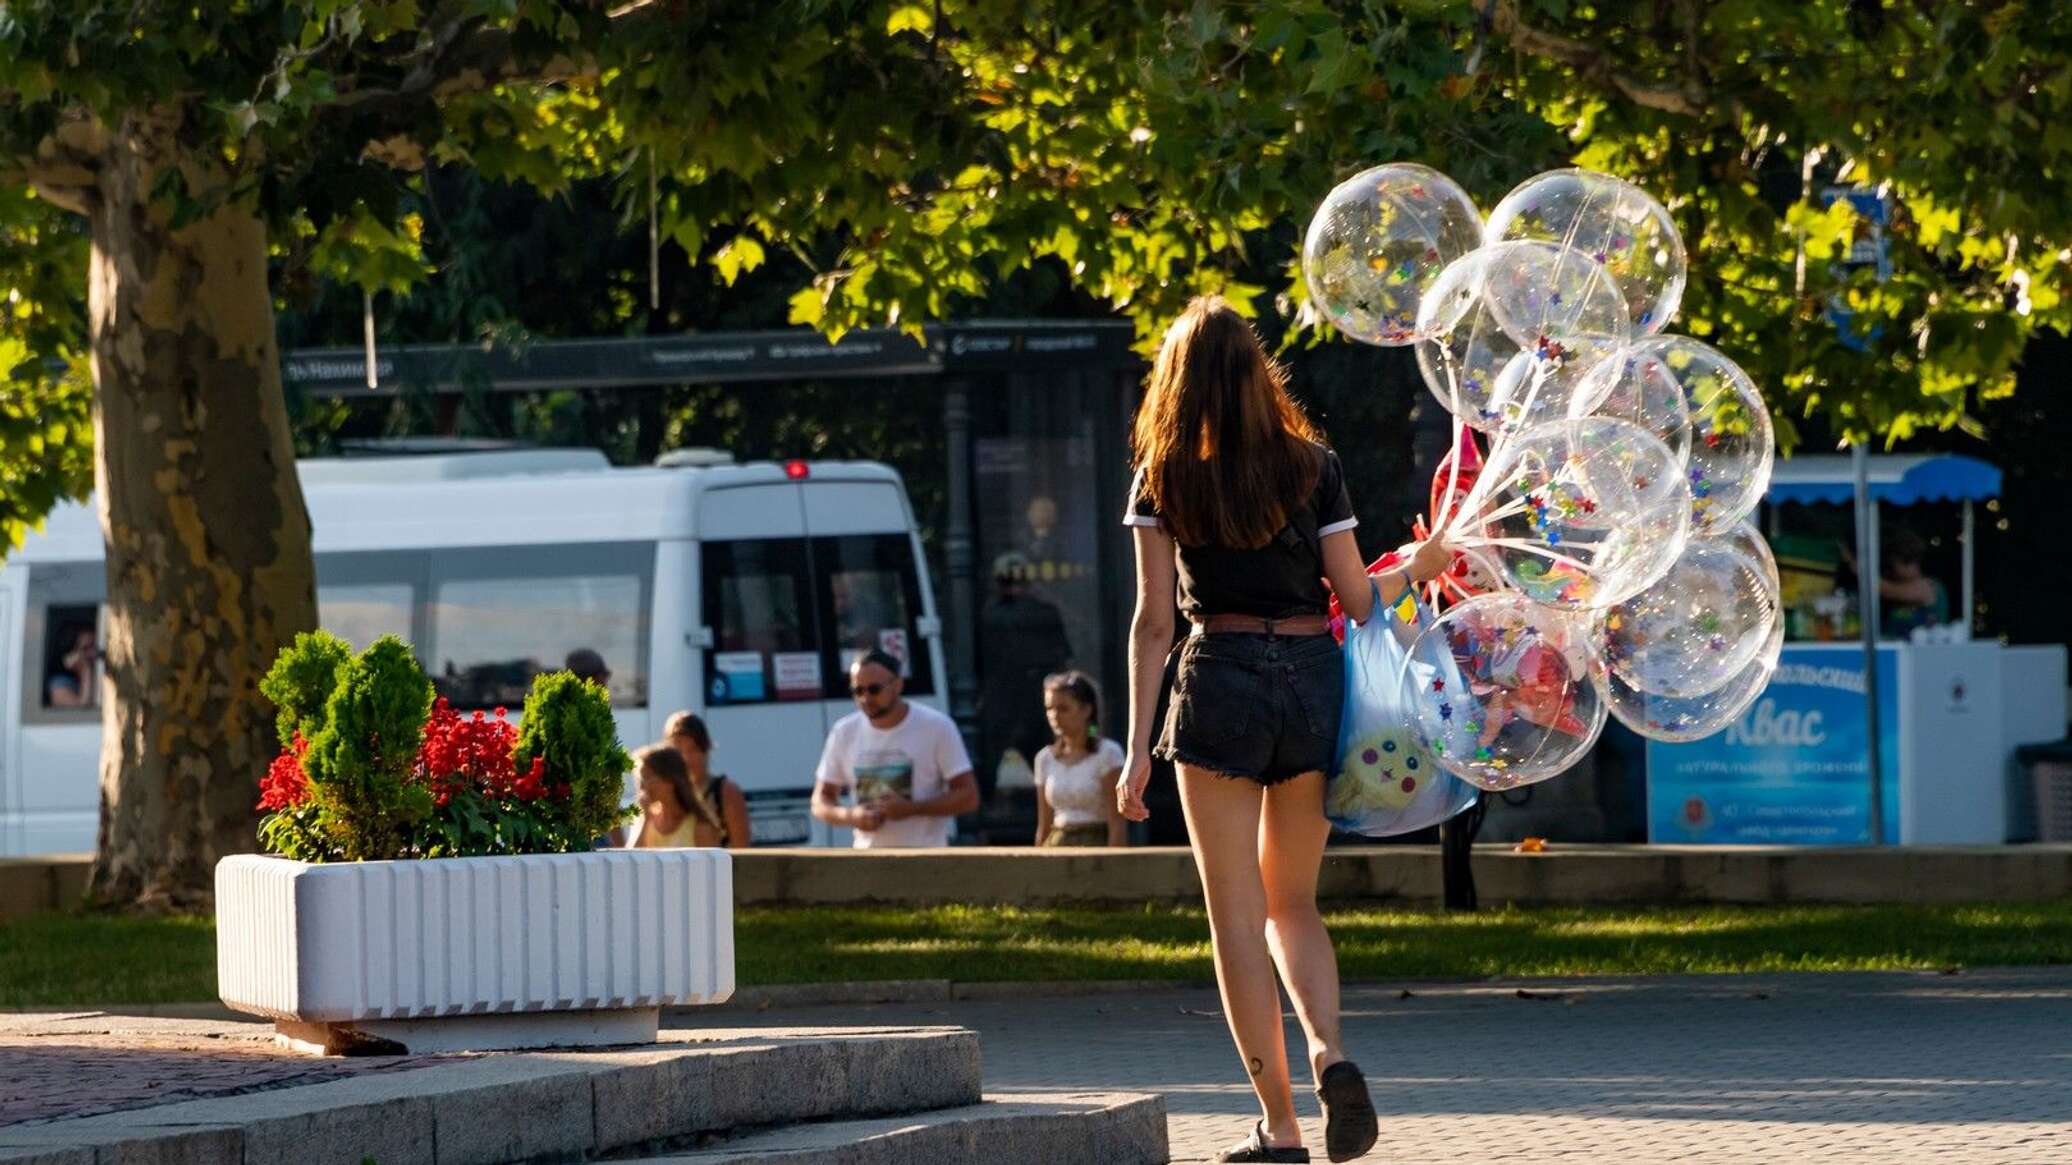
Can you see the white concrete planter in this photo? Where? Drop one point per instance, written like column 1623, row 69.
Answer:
column 457, row 954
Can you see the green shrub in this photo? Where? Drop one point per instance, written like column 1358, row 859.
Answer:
column 568, row 725
column 360, row 760
column 301, row 681
column 373, row 768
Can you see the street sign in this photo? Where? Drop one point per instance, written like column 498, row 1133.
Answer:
column 1869, row 248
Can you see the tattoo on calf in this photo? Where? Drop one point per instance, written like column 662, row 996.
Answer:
column 1257, row 1066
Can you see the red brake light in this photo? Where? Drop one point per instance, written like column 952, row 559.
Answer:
column 797, row 470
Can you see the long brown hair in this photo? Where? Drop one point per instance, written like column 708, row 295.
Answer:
column 662, row 760
column 1225, row 451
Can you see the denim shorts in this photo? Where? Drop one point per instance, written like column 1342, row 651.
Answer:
column 1262, row 707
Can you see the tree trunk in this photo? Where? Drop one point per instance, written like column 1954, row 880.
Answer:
column 209, row 568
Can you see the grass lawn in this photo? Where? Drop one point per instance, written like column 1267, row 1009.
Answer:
column 58, row 960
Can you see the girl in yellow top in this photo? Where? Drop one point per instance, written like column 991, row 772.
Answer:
column 671, row 812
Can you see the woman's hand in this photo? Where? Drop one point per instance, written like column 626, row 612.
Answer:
column 1431, row 560
column 1129, row 790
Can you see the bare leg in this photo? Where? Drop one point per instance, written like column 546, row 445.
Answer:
column 1292, row 832
column 1223, row 822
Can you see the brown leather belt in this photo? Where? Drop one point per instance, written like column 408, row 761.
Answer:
column 1256, row 625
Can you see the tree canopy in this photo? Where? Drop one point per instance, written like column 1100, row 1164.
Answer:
column 912, row 155
column 163, row 169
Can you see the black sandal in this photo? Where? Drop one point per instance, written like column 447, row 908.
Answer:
column 1350, row 1126
column 1255, row 1148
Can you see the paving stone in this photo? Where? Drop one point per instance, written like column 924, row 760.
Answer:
column 1828, row 1067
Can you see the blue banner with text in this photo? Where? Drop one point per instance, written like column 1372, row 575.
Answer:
column 1794, row 769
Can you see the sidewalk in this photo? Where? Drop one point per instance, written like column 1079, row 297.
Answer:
column 1829, row 1067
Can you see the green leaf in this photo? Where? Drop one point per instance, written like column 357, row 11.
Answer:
column 909, row 18
column 741, row 254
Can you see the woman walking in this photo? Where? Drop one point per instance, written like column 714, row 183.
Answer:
column 1239, row 515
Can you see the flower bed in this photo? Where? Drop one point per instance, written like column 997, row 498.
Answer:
column 373, row 767
column 518, row 936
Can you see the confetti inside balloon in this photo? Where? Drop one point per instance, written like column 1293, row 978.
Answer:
column 1724, row 426
column 1580, row 513
column 1541, row 292
column 1635, row 386
column 1497, row 376
column 1612, row 222
column 1733, row 447
column 1376, row 244
column 1525, row 709
column 1677, row 719
column 1700, row 624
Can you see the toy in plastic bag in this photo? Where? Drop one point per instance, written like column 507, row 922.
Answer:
column 1387, row 783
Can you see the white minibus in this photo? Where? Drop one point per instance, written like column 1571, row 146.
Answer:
column 738, row 591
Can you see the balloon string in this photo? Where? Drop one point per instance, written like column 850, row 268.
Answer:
column 1487, row 484
column 1508, row 509
column 1532, row 392
column 1534, row 549
column 1443, row 519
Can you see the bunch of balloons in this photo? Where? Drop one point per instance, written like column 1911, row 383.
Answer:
column 1607, row 567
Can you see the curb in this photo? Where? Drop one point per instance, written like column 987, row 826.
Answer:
column 789, row 995
column 576, row 1106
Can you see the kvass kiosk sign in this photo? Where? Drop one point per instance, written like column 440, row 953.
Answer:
column 1795, row 768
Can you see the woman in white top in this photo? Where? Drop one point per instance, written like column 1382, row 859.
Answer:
column 1076, row 773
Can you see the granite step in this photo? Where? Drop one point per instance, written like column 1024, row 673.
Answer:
column 537, row 1105
column 1113, row 1128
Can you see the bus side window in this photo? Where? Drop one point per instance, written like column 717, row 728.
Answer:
column 870, row 596
column 360, row 613
column 71, row 656
column 501, row 616
column 757, row 604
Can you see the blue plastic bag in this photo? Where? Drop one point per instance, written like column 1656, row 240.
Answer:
column 1387, row 783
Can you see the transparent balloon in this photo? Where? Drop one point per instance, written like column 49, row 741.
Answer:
column 1732, row 444
column 1690, row 394
column 1579, row 513
column 1677, row 719
column 1484, row 374
column 1634, row 386
column 1698, row 625
column 1378, row 241
column 1543, row 294
column 1611, row 222
column 1501, row 691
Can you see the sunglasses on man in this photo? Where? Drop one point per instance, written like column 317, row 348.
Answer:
column 870, row 690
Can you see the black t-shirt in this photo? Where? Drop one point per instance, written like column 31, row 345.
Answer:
column 1279, row 580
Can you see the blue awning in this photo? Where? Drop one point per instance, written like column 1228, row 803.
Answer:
column 1901, row 479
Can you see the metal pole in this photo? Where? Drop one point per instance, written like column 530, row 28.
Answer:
column 1970, row 531
column 1867, row 575
column 960, row 555
column 367, row 330
column 654, row 237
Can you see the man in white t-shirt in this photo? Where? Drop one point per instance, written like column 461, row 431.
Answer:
column 903, row 763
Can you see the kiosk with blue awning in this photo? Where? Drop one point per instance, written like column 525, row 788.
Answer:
column 1795, row 769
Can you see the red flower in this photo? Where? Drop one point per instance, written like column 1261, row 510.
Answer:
column 533, row 785
column 285, row 785
column 475, row 753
